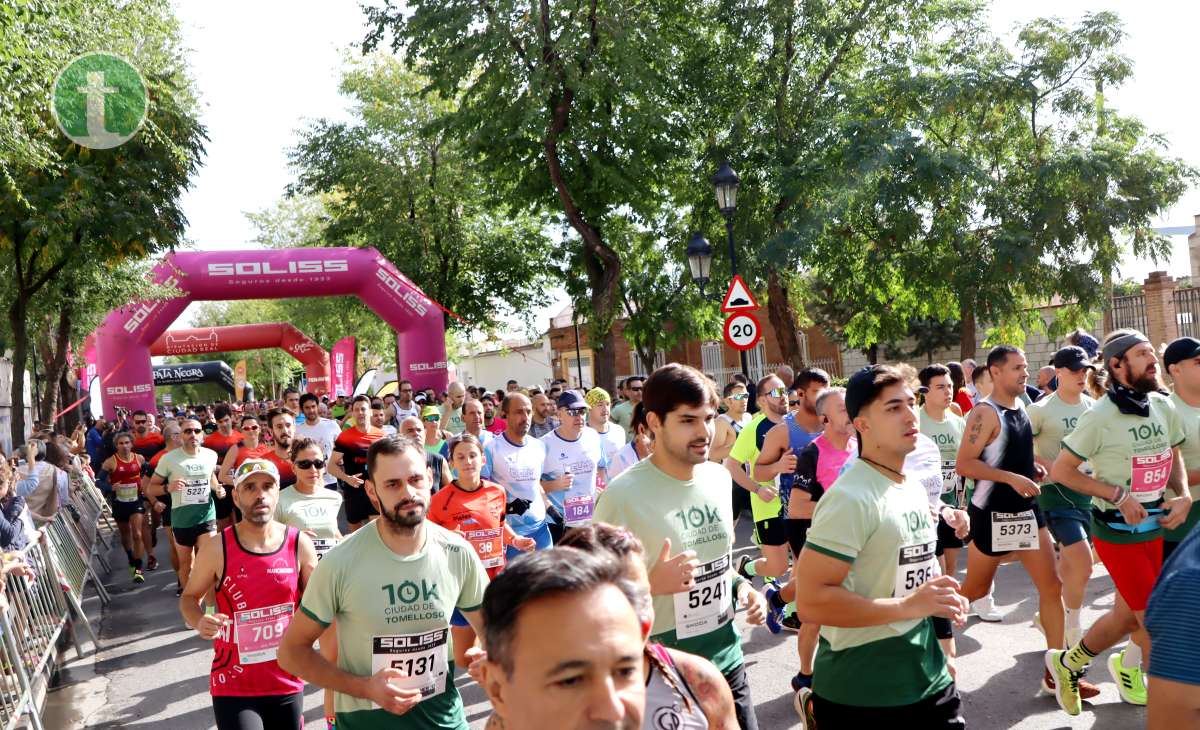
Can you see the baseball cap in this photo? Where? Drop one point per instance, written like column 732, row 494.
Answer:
column 596, row 396
column 861, row 388
column 1183, row 348
column 1089, row 344
column 250, row 467
column 571, row 399
column 1073, row 358
column 429, row 411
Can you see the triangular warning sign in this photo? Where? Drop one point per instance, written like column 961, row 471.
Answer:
column 738, row 298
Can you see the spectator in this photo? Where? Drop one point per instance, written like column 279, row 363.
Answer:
column 1174, row 699
column 44, row 485
column 12, row 528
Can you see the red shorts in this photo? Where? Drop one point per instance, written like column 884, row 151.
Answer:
column 1133, row 568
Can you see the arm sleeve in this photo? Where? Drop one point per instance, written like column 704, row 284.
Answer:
column 1176, row 654
column 319, row 601
column 806, row 473
column 1177, row 432
column 841, row 525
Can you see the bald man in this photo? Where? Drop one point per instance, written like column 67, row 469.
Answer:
column 1045, row 379
column 452, row 409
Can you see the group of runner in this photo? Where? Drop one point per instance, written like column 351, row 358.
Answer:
column 586, row 577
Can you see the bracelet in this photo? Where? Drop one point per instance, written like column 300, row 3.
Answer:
column 1116, row 494
column 1121, row 501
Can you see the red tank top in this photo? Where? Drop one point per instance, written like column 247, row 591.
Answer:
column 287, row 476
column 258, row 452
column 125, row 472
column 259, row 594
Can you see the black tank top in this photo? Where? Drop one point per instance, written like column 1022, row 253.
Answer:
column 1012, row 451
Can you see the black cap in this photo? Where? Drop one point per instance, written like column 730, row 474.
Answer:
column 860, row 388
column 1182, row 349
column 1073, row 358
column 571, row 399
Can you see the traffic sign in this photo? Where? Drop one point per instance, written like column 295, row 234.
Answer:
column 742, row 331
column 738, row 297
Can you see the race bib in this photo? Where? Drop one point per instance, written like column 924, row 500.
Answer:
column 949, row 477
column 125, row 492
column 708, row 605
column 917, row 564
column 1014, row 531
column 195, row 491
column 1150, row 475
column 323, row 545
column 489, row 544
column 578, row 509
column 257, row 632
column 421, row 657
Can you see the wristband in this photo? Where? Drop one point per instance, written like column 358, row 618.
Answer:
column 1121, row 501
column 738, row 580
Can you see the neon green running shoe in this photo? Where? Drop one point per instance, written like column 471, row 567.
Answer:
column 1066, row 682
column 1131, row 683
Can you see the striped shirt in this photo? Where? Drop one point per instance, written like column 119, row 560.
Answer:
column 1170, row 616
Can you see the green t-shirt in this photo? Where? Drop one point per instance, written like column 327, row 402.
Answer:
column 887, row 534
column 1191, row 459
column 317, row 511
column 376, row 597
column 1117, row 444
column 947, row 434
column 1052, row 419
column 745, row 451
column 197, row 471
column 694, row 515
column 622, row 414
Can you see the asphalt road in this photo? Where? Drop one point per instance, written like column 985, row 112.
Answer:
column 152, row 672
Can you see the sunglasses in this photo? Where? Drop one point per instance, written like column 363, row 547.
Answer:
column 739, row 396
column 577, row 411
column 193, row 430
column 777, row 393
column 432, row 419
column 249, row 428
column 311, row 463
column 793, row 403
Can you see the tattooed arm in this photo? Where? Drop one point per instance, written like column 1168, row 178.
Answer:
column 983, row 426
column 709, row 687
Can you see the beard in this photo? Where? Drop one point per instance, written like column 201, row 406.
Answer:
column 253, row 517
column 1144, row 384
column 285, row 441
column 402, row 520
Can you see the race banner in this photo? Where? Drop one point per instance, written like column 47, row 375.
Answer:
column 239, row 380
column 342, row 361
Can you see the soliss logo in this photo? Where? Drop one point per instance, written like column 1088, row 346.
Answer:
column 128, row 389
column 406, row 293
column 266, row 268
column 423, row 366
column 143, row 312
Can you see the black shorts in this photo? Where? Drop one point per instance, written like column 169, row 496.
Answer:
column 122, row 511
column 188, row 536
column 358, row 505
column 741, row 500
column 940, row 711
column 797, row 534
column 264, row 712
column 166, row 513
column 224, row 504
column 946, row 537
column 771, row 531
column 981, row 528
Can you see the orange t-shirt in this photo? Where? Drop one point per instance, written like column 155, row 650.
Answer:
column 478, row 515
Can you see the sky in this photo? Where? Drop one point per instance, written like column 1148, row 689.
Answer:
column 265, row 69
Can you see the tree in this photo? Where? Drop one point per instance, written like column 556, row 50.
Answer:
column 77, row 208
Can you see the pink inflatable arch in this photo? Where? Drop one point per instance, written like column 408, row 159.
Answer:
column 251, row 337
column 124, row 339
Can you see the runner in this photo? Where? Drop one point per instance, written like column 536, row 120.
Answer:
column 677, row 500
column 129, row 506
column 573, row 465
column 1130, row 438
column 622, row 413
column 612, row 435
column 391, row 587
column 282, row 424
column 405, row 406
column 1181, row 360
column 451, row 419
column 435, row 437
column 322, row 430
column 878, row 662
column 946, row 430
column 639, row 448
column 349, row 463
column 160, row 506
column 514, row 460
column 473, row 420
column 491, row 423
column 259, row 569
column 474, row 508
column 729, row 427
column 250, row 447
column 291, row 401
column 543, row 415
column 997, row 453
column 379, row 418
column 414, row 428
column 1068, row 513
column 188, row 474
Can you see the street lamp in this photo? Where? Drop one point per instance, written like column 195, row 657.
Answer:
column 699, row 255
column 726, row 181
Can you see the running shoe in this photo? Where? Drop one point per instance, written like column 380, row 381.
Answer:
column 1131, row 684
column 1087, row 690
column 151, row 562
column 1065, row 682
column 803, row 703
column 138, row 576
column 742, row 562
column 791, row 622
column 985, row 609
column 774, row 615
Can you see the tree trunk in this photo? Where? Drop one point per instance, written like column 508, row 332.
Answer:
column 873, row 354
column 16, row 322
column 783, row 321
column 966, row 346
column 55, row 365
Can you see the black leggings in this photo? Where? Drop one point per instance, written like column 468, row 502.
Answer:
column 270, row 712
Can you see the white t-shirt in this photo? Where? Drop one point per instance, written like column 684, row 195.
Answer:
column 582, row 457
column 325, row 433
column 403, row 413
column 622, row 460
column 612, row 440
column 519, row 470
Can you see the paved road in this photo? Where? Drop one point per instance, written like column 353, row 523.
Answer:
column 151, row 672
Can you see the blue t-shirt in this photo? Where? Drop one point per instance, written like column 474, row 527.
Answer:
column 1170, row 615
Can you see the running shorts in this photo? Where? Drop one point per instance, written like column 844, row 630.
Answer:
column 187, row 536
column 264, row 712
column 797, row 534
column 940, row 711
column 1133, row 567
column 946, row 539
column 771, row 531
column 358, row 505
column 224, row 504
column 1069, row 525
column 122, row 511
column 981, row 528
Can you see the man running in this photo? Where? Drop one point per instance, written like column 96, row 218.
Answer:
column 622, row 413
column 868, row 575
column 188, row 474
column 1181, row 360
column 1131, row 439
column 322, row 430
column 492, row 423
column 129, row 507
column 349, row 463
column 451, row 413
column 946, row 430
column 405, row 406
column 514, row 460
column 1068, row 513
column 612, row 435
column 997, row 453
column 543, row 415
column 282, row 424
column 473, row 421
column 677, row 500
column 573, row 464
column 729, row 427
column 380, row 418
column 259, row 569
column 160, row 506
column 391, row 587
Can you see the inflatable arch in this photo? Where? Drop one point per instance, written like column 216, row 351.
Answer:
column 234, row 338
column 124, row 338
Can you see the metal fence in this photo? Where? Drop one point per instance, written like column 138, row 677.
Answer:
column 1129, row 311
column 1187, row 311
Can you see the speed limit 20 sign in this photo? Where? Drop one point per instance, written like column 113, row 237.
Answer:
column 742, row 331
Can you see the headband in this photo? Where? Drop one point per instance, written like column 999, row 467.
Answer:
column 1120, row 345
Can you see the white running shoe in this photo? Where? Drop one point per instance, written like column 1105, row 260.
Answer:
column 985, row 609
